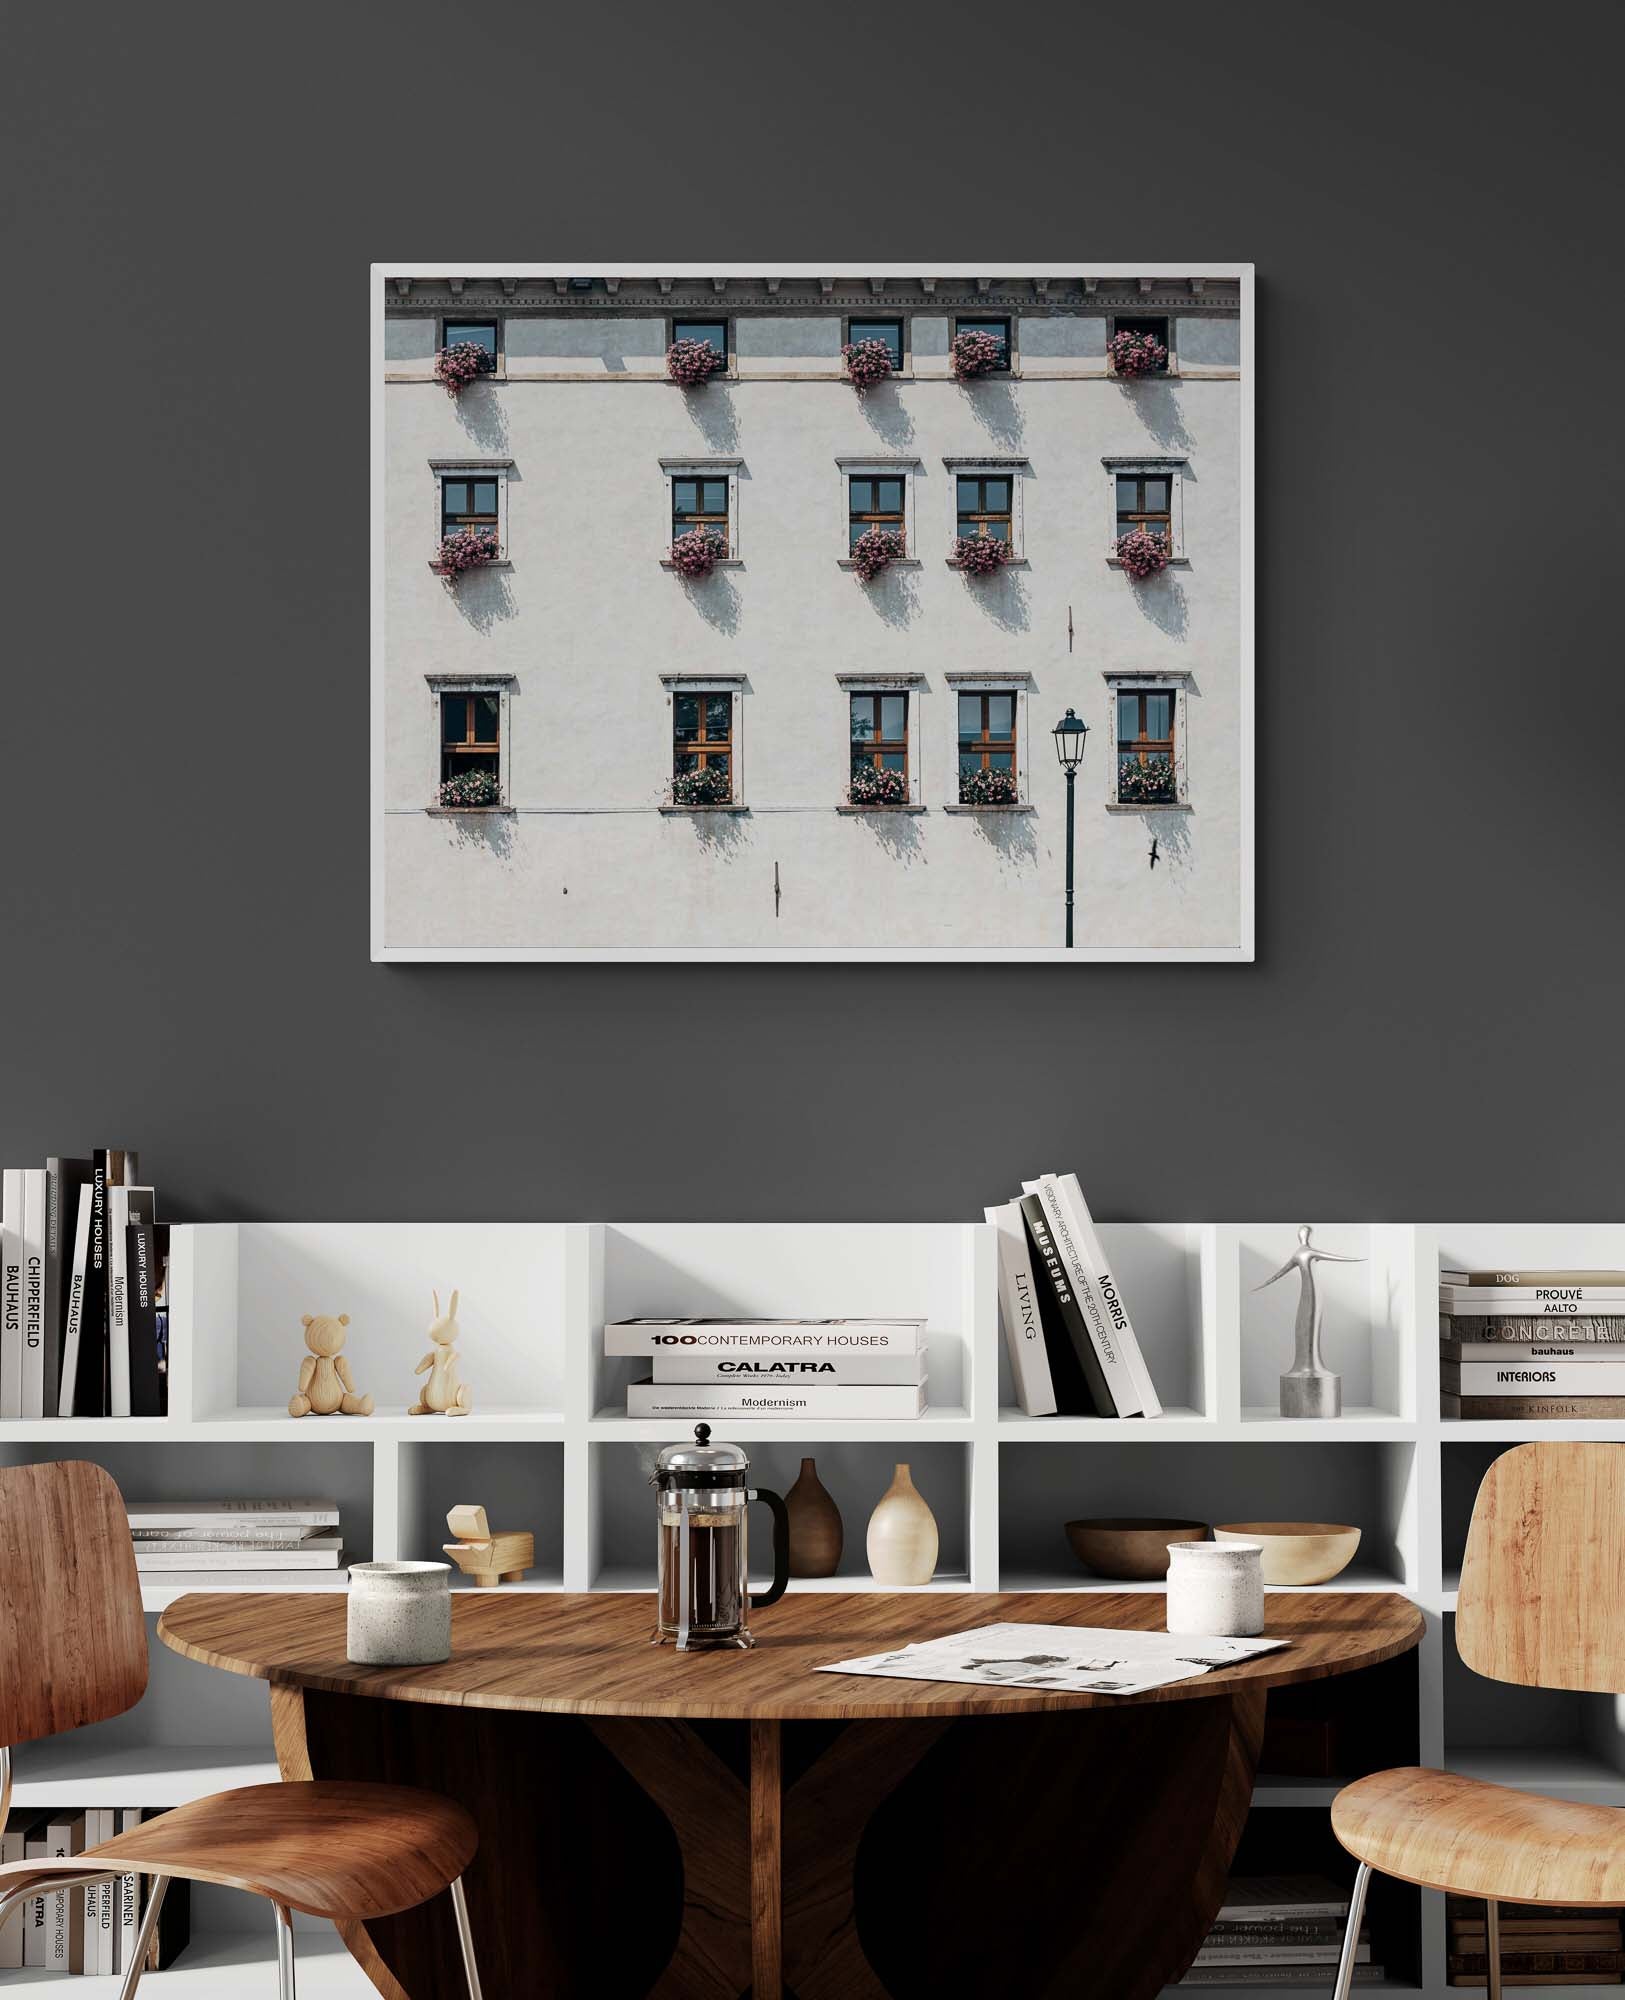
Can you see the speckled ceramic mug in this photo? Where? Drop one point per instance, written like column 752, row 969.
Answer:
column 1216, row 1589
column 399, row 1614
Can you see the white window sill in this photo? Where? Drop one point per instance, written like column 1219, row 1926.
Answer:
column 501, row 562
column 682, row 812
column 1173, row 562
column 1015, row 562
column 464, row 812
column 1163, row 806
column 897, row 562
column 1020, row 806
column 722, row 562
column 852, row 811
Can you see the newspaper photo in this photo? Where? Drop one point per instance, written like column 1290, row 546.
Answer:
column 1075, row 1659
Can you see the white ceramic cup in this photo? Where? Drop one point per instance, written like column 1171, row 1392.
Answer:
column 1216, row 1589
column 399, row 1614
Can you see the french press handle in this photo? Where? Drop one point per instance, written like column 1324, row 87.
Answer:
column 781, row 1548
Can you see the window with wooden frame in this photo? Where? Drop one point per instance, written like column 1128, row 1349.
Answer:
column 469, row 502
column 480, row 333
column 875, row 500
column 879, row 724
column 700, row 501
column 1145, row 735
column 987, row 731
column 888, row 330
column 470, row 734
column 702, row 732
column 1000, row 330
column 1144, row 501
column 1155, row 324
column 710, row 332
column 984, row 505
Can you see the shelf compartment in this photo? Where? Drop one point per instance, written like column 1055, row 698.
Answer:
column 520, row 1486
column 622, row 1508
column 1561, row 1741
column 1370, row 1485
column 1370, row 1314
column 937, row 1271
column 69, row 1771
column 241, row 1290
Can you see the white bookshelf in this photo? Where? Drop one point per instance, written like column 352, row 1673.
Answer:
column 547, row 1447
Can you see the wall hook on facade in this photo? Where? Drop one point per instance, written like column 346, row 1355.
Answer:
column 776, row 889
column 1153, row 850
column 1069, row 628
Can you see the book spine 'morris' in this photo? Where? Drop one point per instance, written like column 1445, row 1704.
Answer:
column 11, row 1292
column 803, row 1371
column 1019, row 1313
column 729, row 1399
column 63, row 1180
column 73, row 1319
column 1103, row 1326
column 1081, row 1387
column 33, row 1277
column 90, row 1372
column 1094, row 1252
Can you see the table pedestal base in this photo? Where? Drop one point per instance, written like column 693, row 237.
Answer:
column 1080, row 1853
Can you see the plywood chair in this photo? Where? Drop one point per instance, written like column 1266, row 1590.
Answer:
column 1542, row 1604
column 73, row 1649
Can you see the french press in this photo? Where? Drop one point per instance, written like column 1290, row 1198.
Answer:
column 704, row 1588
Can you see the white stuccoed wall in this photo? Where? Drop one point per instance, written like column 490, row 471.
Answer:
column 586, row 621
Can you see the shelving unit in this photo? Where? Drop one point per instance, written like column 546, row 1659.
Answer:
column 548, row 1449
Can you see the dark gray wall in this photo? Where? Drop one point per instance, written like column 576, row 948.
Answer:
column 1432, row 1029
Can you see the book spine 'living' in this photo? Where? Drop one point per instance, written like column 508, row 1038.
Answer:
column 11, row 1292
column 731, row 1399
column 1102, row 1333
column 33, row 1292
column 1081, row 1388
column 1094, row 1254
column 1018, row 1310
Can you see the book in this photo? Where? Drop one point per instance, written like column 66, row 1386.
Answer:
column 162, row 1562
column 1275, row 1975
column 96, row 1899
column 33, row 1282
column 125, row 1205
column 1521, row 1352
column 129, row 1899
column 1099, row 1265
column 213, row 1514
column 1539, row 1961
column 1468, row 1938
column 1588, row 1327
column 801, row 1336
column 766, row 1364
column 1529, row 1409
column 1018, row 1312
column 1081, row 1387
column 188, row 1541
column 1283, row 1954
column 146, row 1254
column 1528, row 1280
column 11, row 1292
column 1282, row 1898
column 36, row 1918
column 83, row 1397
column 174, row 1932
column 1509, row 1377
column 14, row 1847
column 63, row 1180
column 64, row 1914
column 73, row 1324
column 1313, row 1930
column 1101, row 1328
column 1538, row 1299
column 741, row 1399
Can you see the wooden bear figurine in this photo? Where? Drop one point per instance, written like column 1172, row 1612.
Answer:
column 326, row 1386
column 443, row 1393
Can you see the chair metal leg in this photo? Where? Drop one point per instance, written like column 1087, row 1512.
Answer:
column 143, row 1942
column 284, row 1953
column 465, row 1937
column 1492, row 1949
column 1351, row 1936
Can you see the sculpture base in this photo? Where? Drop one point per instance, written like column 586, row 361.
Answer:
column 1311, row 1395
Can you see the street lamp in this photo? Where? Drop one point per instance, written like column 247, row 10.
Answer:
column 1069, row 740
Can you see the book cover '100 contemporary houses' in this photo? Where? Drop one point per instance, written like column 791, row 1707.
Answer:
column 762, row 613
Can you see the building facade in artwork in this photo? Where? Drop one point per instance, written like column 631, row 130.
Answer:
column 772, row 662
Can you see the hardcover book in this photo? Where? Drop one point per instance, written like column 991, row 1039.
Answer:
column 803, row 1371
column 1529, row 1409
column 1587, row 1326
column 1019, row 1312
column 1102, row 1328
column 33, row 1284
column 680, row 1401
column 63, row 1180
column 1081, row 1387
column 11, row 1292
column 73, row 1324
column 790, row 1336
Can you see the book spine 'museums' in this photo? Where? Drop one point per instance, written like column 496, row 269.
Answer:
column 1081, row 1387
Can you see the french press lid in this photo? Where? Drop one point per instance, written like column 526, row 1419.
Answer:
column 701, row 1463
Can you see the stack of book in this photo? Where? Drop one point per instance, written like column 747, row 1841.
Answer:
column 1279, row 1930
column 1539, row 1947
column 84, row 1315
column 1532, row 1344
column 263, row 1535
column 705, row 1368
column 93, row 1929
column 1072, row 1347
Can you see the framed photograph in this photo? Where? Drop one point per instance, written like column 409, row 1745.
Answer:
column 762, row 614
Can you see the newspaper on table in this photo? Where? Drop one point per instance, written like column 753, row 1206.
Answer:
column 1071, row 1659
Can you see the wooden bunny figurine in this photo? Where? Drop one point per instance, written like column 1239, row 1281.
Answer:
column 326, row 1386
column 443, row 1393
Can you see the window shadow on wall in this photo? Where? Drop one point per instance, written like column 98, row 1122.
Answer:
column 722, row 836
column 712, row 413
column 993, row 403
column 484, row 598
column 1001, row 597
column 1161, row 599
column 483, row 417
column 491, row 831
column 896, row 834
column 716, row 600
column 1012, row 836
column 885, row 414
column 893, row 596
column 1156, row 405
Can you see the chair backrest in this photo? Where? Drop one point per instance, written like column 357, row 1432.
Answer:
column 73, row 1645
column 1542, row 1599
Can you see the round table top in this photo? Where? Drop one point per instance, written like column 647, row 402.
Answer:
column 590, row 1654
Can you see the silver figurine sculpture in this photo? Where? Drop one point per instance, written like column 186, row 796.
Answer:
column 1309, row 1388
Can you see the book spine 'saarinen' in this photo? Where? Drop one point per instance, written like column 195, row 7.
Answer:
column 803, row 1371
column 728, row 1399
column 1019, row 1313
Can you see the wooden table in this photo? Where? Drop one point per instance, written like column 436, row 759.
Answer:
column 701, row 1826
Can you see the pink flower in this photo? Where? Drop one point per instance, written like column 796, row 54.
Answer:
column 980, row 555
column 874, row 549
column 697, row 553
column 458, row 365
column 877, row 787
column 974, row 354
column 1142, row 555
column 867, row 362
column 468, row 548
column 692, row 363
column 1136, row 353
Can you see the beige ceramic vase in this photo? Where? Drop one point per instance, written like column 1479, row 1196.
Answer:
column 815, row 1525
column 902, row 1534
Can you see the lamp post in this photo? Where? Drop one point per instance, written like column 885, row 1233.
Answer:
column 1069, row 740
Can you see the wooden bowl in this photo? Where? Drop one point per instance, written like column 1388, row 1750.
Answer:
column 1135, row 1550
column 1296, row 1551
